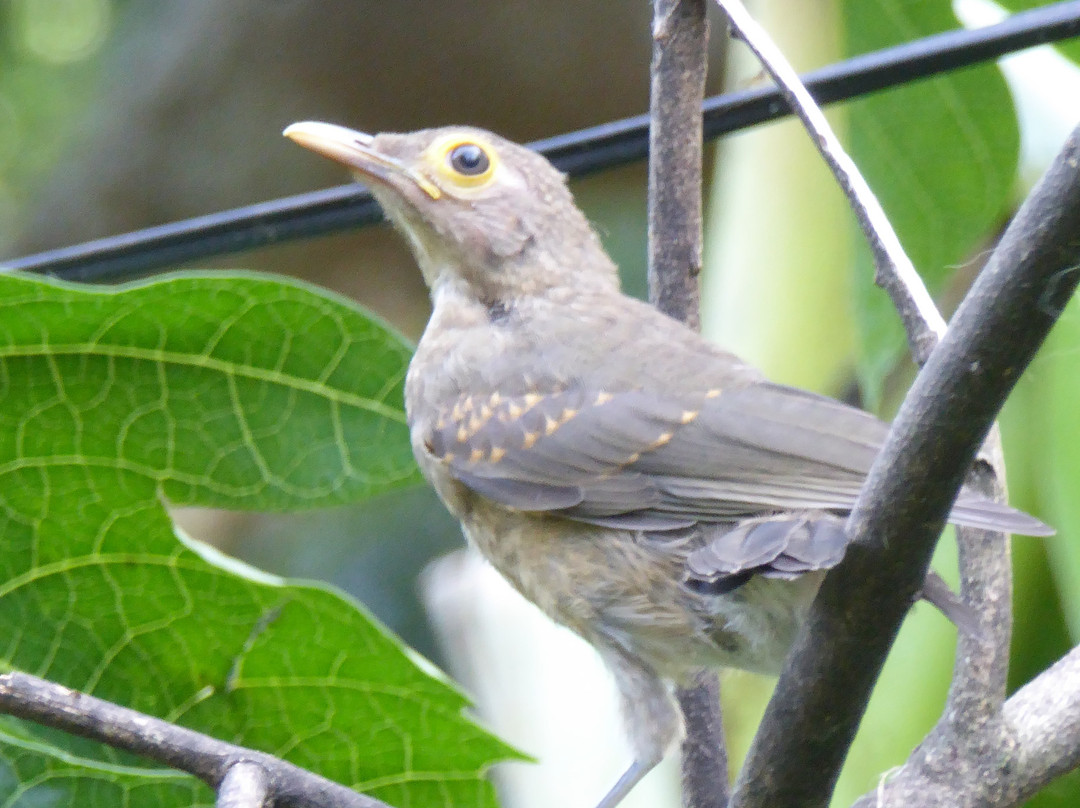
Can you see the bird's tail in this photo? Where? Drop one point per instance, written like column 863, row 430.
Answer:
column 975, row 511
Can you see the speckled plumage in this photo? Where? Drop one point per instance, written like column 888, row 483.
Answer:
column 640, row 485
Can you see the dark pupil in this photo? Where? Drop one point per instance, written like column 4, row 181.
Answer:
column 469, row 159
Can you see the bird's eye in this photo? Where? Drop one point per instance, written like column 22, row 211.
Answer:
column 462, row 162
column 469, row 159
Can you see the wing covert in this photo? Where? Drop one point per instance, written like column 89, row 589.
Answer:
column 658, row 460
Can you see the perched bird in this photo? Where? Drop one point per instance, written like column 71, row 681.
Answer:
column 640, row 485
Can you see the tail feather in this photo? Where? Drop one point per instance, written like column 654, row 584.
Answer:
column 985, row 514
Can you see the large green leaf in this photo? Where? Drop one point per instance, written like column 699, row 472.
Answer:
column 940, row 155
column 216, row 390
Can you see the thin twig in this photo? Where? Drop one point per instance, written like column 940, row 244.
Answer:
column 209, row 759
column 822, row 693
column 679, row 64
column 894, row 270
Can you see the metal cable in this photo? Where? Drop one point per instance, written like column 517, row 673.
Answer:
column 577, row 153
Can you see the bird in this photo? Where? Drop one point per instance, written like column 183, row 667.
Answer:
column 642, row 486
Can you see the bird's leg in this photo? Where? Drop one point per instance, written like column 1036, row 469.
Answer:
column 629, row 779
column 652, row 718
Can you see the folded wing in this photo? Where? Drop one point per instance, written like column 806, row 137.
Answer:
column 662, row 461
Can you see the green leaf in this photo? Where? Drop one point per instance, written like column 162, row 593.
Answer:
column 941, row 156
column 1056, row 371
column 1039, row 424
column 217, row 390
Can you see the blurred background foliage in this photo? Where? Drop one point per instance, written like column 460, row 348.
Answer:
column 118, row 114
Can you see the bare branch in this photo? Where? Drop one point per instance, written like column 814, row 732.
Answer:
column 1044, row 716
column 704, row 753
column 978, row 687
column 209, row 759
column 981, row 670
column 894, row 270
column 244, row 786
column 828, row 677
column 680, row 41
column 1006, row 762
column 956, row 764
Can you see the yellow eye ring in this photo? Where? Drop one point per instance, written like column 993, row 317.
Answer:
column 465, row 163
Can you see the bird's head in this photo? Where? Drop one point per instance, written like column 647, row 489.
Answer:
column 474, row 207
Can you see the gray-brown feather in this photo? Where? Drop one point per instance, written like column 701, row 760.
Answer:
column 706, row 455
column 655, row 462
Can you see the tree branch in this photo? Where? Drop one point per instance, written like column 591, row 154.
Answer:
column 243, row 786
column 1034, row 741
column 1044, row 716
column 981, row 670
column 680, row 40
column 978, row 686
column 704, row 752
column 827, row 680
column 209, row 759
column 680, row 36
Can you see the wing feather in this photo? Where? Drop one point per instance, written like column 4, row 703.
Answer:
column 666, row 460
column 675, row 458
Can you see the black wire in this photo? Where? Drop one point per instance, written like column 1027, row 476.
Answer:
column 577, row 153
